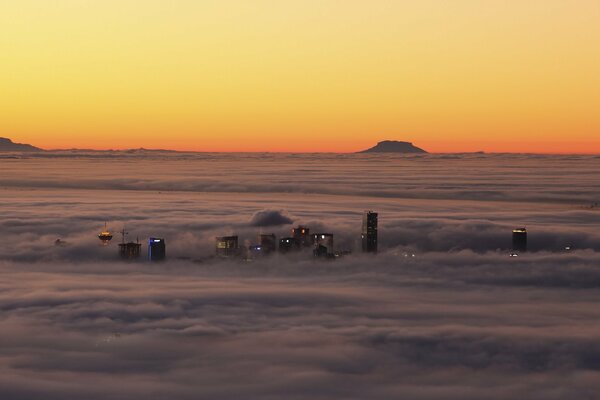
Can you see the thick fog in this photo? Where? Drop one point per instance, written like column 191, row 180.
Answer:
column 441, row 312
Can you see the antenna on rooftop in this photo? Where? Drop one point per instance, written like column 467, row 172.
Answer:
column 123, row 233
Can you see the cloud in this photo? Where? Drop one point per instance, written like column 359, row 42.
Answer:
column 270, row 218
column 362, row 326
column 459, row 320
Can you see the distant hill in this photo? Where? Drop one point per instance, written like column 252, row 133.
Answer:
column 8, row 145
column 394, row 146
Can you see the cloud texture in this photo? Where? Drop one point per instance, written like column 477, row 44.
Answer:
column 459, row 320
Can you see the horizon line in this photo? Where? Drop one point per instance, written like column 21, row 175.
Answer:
column 316, row 152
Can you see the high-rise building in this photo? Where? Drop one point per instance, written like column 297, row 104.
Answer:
column 369, row 232
column 321, row 251
column 323, row 244
column 287, row 244
column 267, row 243
column 227, row 246
column 129, row 251
column 519, row 239
column 302, row 235
column 156, row 249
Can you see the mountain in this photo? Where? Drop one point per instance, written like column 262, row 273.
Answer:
column 8, row 145
column 393, row 146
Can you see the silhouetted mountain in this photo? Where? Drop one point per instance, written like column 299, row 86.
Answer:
column 8, row 145
column 393, row 146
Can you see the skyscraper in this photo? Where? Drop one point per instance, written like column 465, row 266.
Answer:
column 287, row 244
column 519, row 239
column 323, row 244
column 302, row 235
column 226, row 246
column 156, row 249
column 129, row 251
column 369, row 232
column 268, row 243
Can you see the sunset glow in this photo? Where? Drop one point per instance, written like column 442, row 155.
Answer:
column 302, row 76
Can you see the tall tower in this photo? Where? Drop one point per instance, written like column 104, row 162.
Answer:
column 369, row 232
column 519, row 239
column 156, row 249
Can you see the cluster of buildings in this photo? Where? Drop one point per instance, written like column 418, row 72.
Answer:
column 229, row 246
column 301, row 238
column 157, row 248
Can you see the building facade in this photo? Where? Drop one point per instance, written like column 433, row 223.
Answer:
column 302, row 236
column 288, row 244
column 519, row 239
column 323, row 243
column 129, row 251
column 157, row 249
column 226, row 246
column 369, row 232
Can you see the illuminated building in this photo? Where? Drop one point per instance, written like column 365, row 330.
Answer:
column 302, row 235
column 369, row 232
column 519, row 239
column 267, row 243
column 288, row 244
column 323, row 244
column 105, row 236
column 227, row 246
column 156, row 249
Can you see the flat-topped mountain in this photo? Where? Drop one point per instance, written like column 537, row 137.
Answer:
column 8, row 145
column 394, row 146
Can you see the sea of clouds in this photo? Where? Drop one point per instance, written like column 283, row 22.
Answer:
column 458, row 320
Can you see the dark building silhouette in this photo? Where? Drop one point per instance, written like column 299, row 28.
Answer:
column 156, row 249
column 288, row 244
column 267, row 243
column 321, row 251
column 302, row 235
column 323, row 244
column 129, row 251
column 519, row 239
column 227, row 246
column 369, row 232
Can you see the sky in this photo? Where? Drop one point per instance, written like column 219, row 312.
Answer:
column 460, row 320
column 302, row 76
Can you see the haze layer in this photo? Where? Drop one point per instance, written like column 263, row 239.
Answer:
column 460, row 319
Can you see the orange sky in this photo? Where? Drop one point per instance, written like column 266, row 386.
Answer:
column 291, row 75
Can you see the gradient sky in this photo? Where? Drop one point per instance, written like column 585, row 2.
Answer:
column 306, row 75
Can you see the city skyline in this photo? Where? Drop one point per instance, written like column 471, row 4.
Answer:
column 300, row 199
column 297, row 76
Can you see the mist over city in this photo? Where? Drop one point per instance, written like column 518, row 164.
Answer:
column 299, row 199
column 441, row 310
